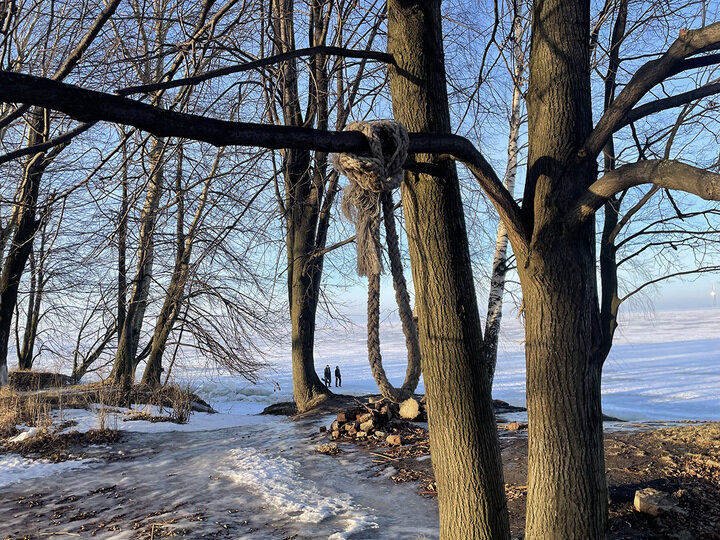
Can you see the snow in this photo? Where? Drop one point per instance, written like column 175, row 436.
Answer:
column 15, row 468
column 663, row 366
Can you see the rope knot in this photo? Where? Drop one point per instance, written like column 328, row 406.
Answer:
column 370, row 176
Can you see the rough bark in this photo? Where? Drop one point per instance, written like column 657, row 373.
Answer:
column 567, row 495
column 464, row 445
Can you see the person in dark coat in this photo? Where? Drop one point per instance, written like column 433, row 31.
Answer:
column 327, row 376
column 338, row 376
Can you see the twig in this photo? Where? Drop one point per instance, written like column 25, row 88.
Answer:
column 384, row 456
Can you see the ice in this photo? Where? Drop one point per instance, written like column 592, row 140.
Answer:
column 15, row 468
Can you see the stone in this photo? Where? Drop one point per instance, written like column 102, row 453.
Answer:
column 409, row 409
column 367, row 426
column 394, row 440
column 364, row 418
column 380, row 435
column 335, row 434
column 352, row 430
column 345, row 416
column 335, row 426
column 654, row 502
column 361, row 435
column 323, row 429
column 514, row 426
column 330, row 449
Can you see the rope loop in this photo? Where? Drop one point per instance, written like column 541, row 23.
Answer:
column 366, row 202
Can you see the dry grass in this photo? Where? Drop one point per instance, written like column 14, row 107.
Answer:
column 18, row 408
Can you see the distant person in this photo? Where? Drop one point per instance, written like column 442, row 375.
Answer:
column 338, row 376
column 327, row 376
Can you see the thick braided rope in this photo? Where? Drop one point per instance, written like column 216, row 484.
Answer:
column 372, row 179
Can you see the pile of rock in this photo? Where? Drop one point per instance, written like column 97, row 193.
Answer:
column 378, row 419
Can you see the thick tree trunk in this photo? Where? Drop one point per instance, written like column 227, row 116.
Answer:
column 567, row 495
column 304, row 190
column 464, row 444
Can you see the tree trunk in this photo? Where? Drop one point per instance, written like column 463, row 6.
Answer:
column 26, row 354
column 304, row 189
column 130, row 332
column 464, row 444
column 499, row 267
column 25, row 229
column 567, row 495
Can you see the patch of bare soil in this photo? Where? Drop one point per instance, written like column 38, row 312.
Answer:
column 682, row 462
column 60, row 447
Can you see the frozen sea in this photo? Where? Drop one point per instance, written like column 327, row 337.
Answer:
column 663, row 366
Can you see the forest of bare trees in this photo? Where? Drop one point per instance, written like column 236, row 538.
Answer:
column 168, row 194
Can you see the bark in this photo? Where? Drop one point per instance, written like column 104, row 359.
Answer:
column 464, row 445
column 567, row 495
column 305, row 182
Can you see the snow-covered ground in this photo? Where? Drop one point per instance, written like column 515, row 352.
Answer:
column 259, row 477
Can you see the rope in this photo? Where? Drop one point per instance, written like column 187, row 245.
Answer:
column 366, row 201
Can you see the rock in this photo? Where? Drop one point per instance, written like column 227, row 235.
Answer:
column 409, row 409
column 654, row 502
column 514, row 426
column 380, row 435
column 345, row 416
column 351, row 429
column 335, row 426
column 335, row 434
column 394, row 440
column 361, row 435
column 367, row 426
column 364, row 418
column 330, row 449
column 323, row 429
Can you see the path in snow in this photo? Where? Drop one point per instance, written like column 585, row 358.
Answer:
column 252, row 481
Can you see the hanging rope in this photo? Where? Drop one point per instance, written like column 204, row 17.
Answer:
column 372, row 179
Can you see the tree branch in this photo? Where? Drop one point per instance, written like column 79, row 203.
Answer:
column 56, row 141
column 660, row 172
column 668, row 103
column 221, row 72
column 72, row 60
column 688, row 43
column 91, row 106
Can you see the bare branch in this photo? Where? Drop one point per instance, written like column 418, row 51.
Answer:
column 660, row 172
column 90, row 105
column 668, row 103
column 263, row 62
column 54, row 142
column 74, row 57
column 688, row 43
